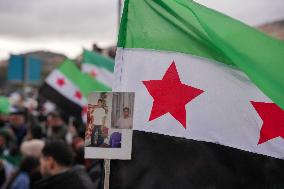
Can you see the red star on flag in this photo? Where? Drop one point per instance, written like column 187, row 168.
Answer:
column 93, row 73
column 273, row 120
column 60, row 82
column 84, row 109
column 170, row 95
column 78, row 95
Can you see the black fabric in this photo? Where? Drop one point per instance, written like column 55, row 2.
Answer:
column 163, row 162
column 96, row 172
column 2, row 174
column 66, row 105
column 75, row 178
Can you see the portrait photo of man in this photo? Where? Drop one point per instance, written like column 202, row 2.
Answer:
column 125, row 121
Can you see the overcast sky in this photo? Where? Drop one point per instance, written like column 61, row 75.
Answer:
column 68, row 25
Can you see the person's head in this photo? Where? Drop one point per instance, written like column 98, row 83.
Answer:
column 3, row 141
column 125, row 112
column 17, row 118
column 56, row 157
column 4, row 137
column 100, row 102
column 54, row 119
column 4, row 118
column 36, row 132
column 29, row 164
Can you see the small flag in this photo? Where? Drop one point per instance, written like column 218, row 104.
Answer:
column 98, row 66
column 68, row 88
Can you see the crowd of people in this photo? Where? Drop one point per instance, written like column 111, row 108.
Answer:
column 43, row 150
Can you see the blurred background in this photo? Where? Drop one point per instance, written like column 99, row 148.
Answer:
column 36, row 39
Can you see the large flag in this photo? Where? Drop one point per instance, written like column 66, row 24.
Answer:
column 68, row 88
column 209, row 99
column 98, row 66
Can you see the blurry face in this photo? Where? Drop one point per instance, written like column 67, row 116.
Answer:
column 3, row 119
column 16, row 120
column 125, row 113
column 2, row 140
column 53, row 121
column 46, row 164
column 100, row 104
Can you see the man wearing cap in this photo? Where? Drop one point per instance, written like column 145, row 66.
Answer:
column 17, row 124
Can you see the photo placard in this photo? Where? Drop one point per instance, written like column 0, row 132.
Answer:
column 108, row 133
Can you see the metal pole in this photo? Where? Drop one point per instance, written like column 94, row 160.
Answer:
column 26, row 75
column 119, row 11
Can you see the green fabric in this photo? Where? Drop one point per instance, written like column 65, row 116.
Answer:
column 4, row 105
column 14, row 160
column 83, row 81
column 90, row 57
column 187, row 27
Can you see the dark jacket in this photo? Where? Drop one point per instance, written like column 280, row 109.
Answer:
column 75, row 178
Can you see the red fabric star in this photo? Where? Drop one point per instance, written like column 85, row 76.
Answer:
column 170, row 95
column 84, row 109
column 78, row 95
column 60, row 82
column 93, row 73
column 273, row 120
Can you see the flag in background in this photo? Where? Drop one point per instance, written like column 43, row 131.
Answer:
column 98, row 66
column 68, row 88
column 201, row 79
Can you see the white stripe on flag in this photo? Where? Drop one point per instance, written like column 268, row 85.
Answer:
column 102, row 75
column 67, row 89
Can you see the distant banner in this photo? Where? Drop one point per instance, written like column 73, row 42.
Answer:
column 21, row 66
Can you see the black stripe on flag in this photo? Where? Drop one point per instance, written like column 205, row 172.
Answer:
column 68, row 106
column 165, row 162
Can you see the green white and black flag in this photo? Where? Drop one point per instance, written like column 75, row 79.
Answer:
column 68, row 88
column 209, row 98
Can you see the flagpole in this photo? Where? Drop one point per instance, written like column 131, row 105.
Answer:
column 119, row 12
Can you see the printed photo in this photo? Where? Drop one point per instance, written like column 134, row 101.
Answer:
column 109, row 125
column 122, row 110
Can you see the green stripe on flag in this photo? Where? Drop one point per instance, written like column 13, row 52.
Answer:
column 83, row 81
column 187, row 27
column 90, row 57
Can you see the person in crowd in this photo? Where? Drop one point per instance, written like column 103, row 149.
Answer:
column 34, row 143
column 4, row 118
column 125, row 122
column 56, row 126
column 9, row 152
column 78, row 145
column 56, row 168
column 99, row 117
column 32, row 147
column 21, row 179
column 17, row 124
column 6, row 171
column 6, row 140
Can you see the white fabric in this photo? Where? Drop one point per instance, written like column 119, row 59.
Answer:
column 222, row 114
column 99, row 114
column 32, row 148
column 67, row 90
column 103, row 75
